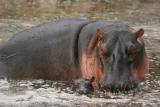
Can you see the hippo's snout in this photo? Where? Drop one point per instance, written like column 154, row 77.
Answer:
column 117, row 86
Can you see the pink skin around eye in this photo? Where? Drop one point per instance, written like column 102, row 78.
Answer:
column 143, row 68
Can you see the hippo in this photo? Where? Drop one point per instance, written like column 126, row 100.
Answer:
column 71, row 49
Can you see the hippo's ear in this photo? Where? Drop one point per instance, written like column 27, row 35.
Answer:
column 139, row 33
column 99, row 34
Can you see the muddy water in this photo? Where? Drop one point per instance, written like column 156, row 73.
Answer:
column 39, row 93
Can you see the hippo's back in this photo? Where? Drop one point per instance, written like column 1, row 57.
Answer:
column 47, row 51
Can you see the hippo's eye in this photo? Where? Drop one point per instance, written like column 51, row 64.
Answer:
column 132, row 52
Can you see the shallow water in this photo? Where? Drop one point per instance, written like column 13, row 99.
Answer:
column 40, row 93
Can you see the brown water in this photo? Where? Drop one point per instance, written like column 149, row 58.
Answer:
column 18, row 15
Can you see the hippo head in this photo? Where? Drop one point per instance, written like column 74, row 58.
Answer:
column 123, row 57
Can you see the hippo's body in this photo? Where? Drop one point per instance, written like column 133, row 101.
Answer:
column 62, row 50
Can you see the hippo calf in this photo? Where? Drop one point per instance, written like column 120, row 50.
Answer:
column 111, row 52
